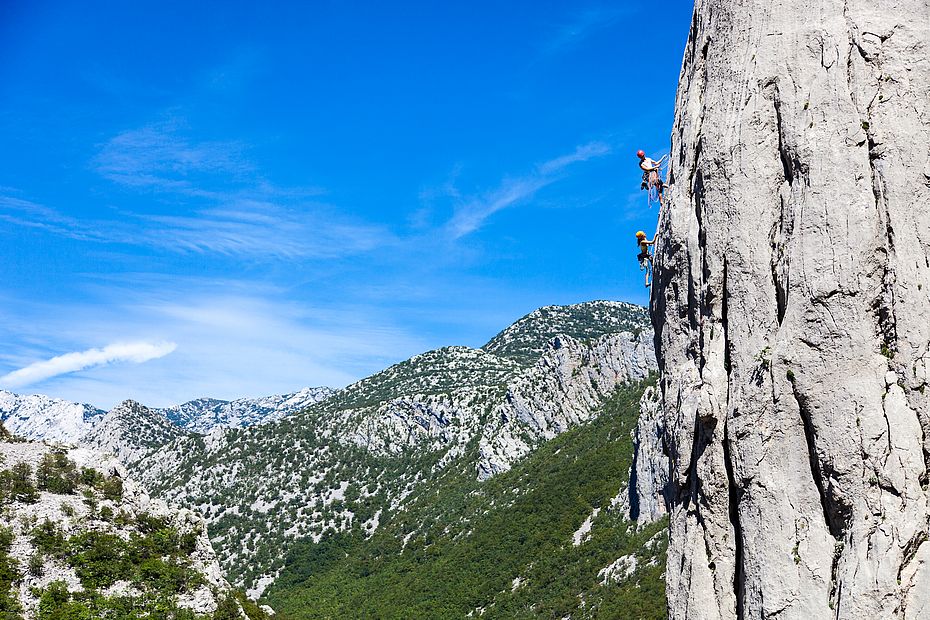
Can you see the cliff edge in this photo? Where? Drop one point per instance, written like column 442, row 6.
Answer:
column 791, row 312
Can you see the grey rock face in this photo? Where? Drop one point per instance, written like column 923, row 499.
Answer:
column 130, row 432
column 791, row 311
column 561, row 390
column 649, row 472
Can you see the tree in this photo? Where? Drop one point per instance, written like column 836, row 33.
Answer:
column 22, row 488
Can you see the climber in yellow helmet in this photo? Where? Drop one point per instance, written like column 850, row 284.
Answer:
column 645, row 258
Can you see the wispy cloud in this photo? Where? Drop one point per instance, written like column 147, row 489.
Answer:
column 134, row 352
column 233, row 339
column 229, row 208
column 163, row 157
column 242, row 227
column 29, row 214
column 582, row 25
column 258, row 228
column 470, row 215
column 582, row 153
column 158, row 156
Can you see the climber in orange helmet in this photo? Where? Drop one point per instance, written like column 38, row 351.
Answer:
column 652, row 179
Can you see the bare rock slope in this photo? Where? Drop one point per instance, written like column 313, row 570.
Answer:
column 791, row 311
column 80, row 539
column 36, row 416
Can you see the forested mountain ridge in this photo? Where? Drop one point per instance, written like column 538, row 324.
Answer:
column 551, row 537
column 351, row 462
column 524, row 341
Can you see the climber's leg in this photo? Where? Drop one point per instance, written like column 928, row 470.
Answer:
column 645, row 264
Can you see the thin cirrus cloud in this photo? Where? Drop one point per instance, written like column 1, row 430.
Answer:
column 28, row 214
column 471, row 215
column 234, row 338
column 581, row 26
column 243, row 227
column 120, row 352
column 235, row 211
column 158, row 157
column 256, row 228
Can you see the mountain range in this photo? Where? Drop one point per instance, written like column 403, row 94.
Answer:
column 40, row 417
column 435, row 448
column 355, row 460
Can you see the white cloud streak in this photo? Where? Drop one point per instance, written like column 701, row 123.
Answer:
column 583, row 25
column 471, row 215
column 158, row 157
column 120, row 352
column 241, row 227
column 229, row 208
column 234, row 338
column 582, row 153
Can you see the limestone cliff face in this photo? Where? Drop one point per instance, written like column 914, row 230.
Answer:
column 792, row 313
column 649, row 471
column 563, row 389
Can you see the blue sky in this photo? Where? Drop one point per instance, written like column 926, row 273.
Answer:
column 237, row 201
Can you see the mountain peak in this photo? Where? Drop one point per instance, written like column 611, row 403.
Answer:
column 204, row 414
column 42, row 417
column 130, row 431
column 525, row 340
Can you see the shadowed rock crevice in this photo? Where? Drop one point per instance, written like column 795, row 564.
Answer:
column 739, row 577
column 835, row 516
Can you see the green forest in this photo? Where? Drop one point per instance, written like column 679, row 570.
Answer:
column 502, row 548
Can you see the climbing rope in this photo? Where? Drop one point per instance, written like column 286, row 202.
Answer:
column 653, row 181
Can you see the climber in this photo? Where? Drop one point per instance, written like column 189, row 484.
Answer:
column 652, row 178
column 645, row 258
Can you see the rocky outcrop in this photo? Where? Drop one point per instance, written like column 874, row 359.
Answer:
column 648, row 488
column 45, row 527
column 790, row 304
column 563, row 389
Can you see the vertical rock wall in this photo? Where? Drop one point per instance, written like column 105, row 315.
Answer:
column 649, row 471
column 792, row 312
